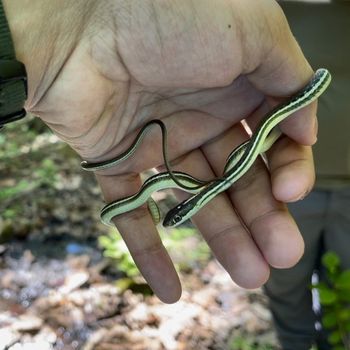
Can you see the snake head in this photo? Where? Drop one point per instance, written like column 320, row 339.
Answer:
column 176, row 216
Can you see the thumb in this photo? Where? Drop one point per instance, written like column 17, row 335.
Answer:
column 282, row 71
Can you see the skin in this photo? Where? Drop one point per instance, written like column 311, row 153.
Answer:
column 201, row 67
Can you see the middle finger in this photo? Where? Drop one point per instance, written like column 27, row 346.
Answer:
column 223, row 229
column 267, row 219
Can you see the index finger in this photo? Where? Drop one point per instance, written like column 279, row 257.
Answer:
column 142, row 239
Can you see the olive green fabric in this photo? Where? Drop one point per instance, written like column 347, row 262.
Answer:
column 322, row 29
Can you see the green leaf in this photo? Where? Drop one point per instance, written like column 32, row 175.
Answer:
column 321, row 286
column 113, row 254
column 335, row 338
column 344, row 315
column 104, row 241
column 124, row 283
column 343, row 280
column 340, row 347
column 331, row 261
column 343, row 295
column 9, row 192
column 327, row 296
column 11, row 213
column 329, row 320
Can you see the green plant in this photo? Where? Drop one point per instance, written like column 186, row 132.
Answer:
column 12, row 191
column 186, row 249
column 11, row 145
column 46, row 174
column 175, row 242
column 246, row 342
column 115, row 249
column 335, row 300
column 15, row 142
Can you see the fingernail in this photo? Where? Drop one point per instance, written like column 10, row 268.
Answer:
column 303, row 195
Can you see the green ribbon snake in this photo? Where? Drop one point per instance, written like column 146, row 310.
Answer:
column 238, row 162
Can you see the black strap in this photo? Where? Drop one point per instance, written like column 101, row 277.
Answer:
column 13, row 80
column 7, row 50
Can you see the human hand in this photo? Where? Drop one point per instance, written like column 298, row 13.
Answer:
column 201, row 67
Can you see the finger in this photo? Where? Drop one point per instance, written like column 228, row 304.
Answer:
column 270, row 225
column 136, row 227
column 292, row 170
column 142, row 239
column 291, row 164
column 229, row 240
column 268, row 220
column 282, row 73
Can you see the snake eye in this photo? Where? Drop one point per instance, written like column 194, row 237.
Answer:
column 177, row 218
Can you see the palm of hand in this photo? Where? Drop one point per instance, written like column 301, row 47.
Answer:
column 116, row 80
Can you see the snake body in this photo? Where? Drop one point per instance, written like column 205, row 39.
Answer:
column 156, row 182
column 255, row 146
column 238, row 163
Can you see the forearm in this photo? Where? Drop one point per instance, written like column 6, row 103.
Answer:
column 45, row 33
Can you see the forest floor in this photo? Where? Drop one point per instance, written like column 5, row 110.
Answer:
column 58, row 290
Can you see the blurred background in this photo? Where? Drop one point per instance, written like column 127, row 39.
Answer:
column 68, row 282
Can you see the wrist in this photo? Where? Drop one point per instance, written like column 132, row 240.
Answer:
column 44, row 35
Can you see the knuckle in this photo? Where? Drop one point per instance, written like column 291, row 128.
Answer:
column 265, row 215
column 152, row 248
column 217, row 236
